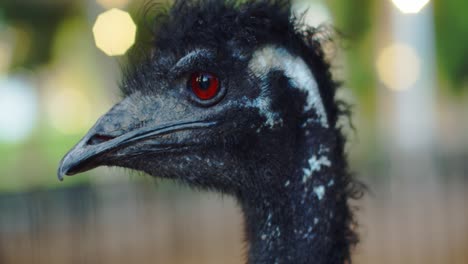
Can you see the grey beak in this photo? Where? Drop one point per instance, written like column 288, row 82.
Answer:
column 114, row 131
column 85, row 155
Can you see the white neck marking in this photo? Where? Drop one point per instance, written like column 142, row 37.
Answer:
column 272, row 57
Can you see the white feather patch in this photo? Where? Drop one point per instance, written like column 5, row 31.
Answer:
column 319, row 191
column 271, row 58
column 315, row 164
column 263, row 106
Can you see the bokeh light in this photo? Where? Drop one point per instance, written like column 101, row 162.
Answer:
column 114, row 32
column 398, row 66
column 113, row 3
column 18, row 109
column 69, row 110
column 410, row 6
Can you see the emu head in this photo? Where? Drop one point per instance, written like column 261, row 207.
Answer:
column 231, row 97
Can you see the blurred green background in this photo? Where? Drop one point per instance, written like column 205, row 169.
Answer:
column 404, row 66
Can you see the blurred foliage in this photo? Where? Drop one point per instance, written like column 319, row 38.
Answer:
column 354, row 17
column 38, row 21
column 61, row 56
column 451, row 25
column 354, row 23
column 28, row 166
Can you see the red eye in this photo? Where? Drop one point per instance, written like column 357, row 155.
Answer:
column 204, row 85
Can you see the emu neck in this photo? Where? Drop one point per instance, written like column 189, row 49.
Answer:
column 302, row 220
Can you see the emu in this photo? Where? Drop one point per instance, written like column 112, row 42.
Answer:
column 238, row 98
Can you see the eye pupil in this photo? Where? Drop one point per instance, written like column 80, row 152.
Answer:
column 204, row 82
column 204, row 85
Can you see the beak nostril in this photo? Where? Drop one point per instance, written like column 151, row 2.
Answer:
column 98, row 139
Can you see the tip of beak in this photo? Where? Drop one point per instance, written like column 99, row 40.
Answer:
column 73, row 162
column 65, row 167
column 65, row 170
column 61, row 173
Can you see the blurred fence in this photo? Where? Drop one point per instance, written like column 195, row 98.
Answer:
column 400, row 222
column 118, row 224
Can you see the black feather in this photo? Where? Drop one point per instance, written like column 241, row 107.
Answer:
column 228, row 27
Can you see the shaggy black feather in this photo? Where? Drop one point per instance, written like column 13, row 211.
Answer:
column 285, row 166
column 243, row 26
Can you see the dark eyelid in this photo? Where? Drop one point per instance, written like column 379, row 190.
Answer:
column 195, row 59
